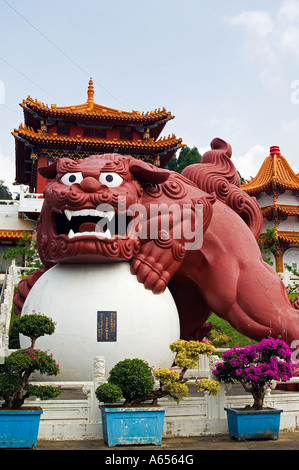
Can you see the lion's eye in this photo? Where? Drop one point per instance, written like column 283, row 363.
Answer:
column 110, row 179
column 72, row 178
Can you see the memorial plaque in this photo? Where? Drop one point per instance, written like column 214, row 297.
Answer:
column 106, row 326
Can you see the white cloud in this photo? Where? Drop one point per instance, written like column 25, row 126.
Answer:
column 249, row 164
column 290, row 39
column 289, row 11
column 270, row 35
column 269, row 80
column 255, row 22
column 7, row 172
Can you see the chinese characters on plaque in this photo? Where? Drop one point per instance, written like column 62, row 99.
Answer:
column 106, row 326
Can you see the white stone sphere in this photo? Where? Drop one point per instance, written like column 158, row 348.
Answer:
column 73, row 294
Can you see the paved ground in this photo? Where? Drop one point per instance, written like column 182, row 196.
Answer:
column 286, row 441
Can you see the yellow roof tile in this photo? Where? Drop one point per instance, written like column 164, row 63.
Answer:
column 11, row 234
column 288, row 237
column 43, row 138
column 275, row 171
column 282, row 209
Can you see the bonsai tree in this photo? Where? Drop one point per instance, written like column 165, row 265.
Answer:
column 134, row 381
column 20, row 364
column 255, row 367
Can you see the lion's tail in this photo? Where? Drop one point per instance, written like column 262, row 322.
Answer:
column 217, row 174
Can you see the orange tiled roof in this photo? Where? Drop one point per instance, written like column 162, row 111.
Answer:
column 288, row 237
column 282, row 209
column 92, row 111
column 58, row 141
column 11, row 234
column 275, row 171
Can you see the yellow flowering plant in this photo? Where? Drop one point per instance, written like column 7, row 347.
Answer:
column 133, row 379
column 174, row 383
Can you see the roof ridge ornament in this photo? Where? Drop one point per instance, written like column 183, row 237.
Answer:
column 274, row 150
column 90, row 94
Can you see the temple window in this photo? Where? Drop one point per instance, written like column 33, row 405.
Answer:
column 63, row 130
column 126, row 135
column 88, row 132
column 101, row 133
column 95, row 133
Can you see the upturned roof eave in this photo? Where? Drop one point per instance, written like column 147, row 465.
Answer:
column 39, row 138
column 96, row 112
column 275, row 172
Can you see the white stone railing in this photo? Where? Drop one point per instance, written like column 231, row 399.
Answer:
column 27, row 203
column 30, row 202
column 9, row 208
column 290, row 279
column 5, row 311
column 12, row 279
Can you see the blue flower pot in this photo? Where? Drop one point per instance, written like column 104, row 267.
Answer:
column 19, row 428
column 253, row 424
column 125, row 426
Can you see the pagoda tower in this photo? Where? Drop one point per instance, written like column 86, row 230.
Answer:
column 51, row 132
column 276, row 188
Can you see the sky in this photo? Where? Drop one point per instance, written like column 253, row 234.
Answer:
column 223, row 68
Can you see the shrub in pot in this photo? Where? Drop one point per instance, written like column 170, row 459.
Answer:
column 15, row 384
column 134, row 382
column 255, row 367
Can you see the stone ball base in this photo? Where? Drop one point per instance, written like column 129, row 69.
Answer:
column 101, row 310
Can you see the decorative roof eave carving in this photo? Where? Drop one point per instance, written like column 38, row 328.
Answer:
column 288, row 237
column 281, row 209
column 39, row 138
column 95, row 112
column 268, row 187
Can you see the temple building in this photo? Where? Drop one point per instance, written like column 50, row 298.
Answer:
column 276, row 188
column 51, row 132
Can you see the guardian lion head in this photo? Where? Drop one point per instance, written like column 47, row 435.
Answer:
column 85, row 211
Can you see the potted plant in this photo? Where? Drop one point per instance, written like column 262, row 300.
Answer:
column 133, row 389
column 19, row 424
column 255, row 367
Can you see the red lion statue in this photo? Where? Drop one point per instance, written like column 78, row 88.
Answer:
column 103, row 208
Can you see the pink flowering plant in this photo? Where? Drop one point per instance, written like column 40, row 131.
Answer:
column 256, row 367
column 17, row 368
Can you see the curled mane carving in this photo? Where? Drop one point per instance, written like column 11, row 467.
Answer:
column 216, row 173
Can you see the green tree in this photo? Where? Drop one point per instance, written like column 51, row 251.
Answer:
column 17, row 368
column 25, row 252
column 4, row 191
column 187, row 156
column 267, row 243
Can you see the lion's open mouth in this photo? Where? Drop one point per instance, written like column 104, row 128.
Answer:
column 91, row 222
